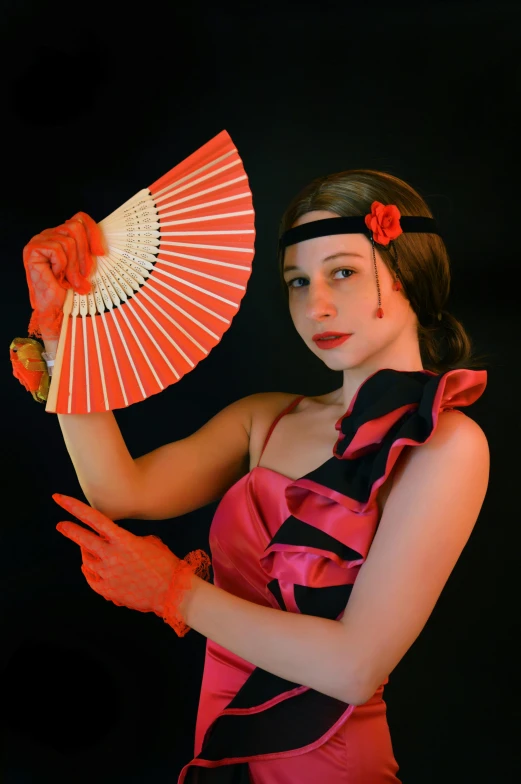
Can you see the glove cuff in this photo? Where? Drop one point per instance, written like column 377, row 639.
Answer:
column 197, row 562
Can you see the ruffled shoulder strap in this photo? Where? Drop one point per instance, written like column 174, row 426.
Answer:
column 391, row 409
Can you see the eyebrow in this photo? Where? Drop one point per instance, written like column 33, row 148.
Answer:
column 328, row 258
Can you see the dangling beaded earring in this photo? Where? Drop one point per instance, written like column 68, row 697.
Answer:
column 379, row 312
column 397, row 286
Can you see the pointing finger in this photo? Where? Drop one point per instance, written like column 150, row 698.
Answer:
column 86, row 539
column 98, row 521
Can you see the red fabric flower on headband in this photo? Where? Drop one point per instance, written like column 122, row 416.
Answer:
column 384, row 222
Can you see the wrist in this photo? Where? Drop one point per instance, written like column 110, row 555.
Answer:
column 51, row 345
column 176, row 609
column 187, row 597
column 49, row 361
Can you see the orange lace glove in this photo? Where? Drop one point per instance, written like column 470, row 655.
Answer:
column 56, row 260
column 139, row 572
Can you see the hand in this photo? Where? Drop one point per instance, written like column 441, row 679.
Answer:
column 56, row 260
column 131, row 571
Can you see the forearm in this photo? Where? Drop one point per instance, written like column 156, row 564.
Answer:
column 105, row 468
column 303, row 649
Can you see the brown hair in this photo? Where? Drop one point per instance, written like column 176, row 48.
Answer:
column 423, row 261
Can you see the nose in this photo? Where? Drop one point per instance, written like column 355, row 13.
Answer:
column 319, row 305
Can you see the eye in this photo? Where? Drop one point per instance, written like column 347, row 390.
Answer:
column 342, row 269
column 292, row 281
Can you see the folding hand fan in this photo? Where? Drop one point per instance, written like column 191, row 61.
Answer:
column 178, row 261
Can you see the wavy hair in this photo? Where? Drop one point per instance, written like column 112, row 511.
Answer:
column 423, row 261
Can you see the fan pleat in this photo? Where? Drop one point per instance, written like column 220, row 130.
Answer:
column 178, row 261
column 115, row 388
column 99, row 394
column 164, row 325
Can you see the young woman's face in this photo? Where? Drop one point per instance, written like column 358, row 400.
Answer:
column 333, row 289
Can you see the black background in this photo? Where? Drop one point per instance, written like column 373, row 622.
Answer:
column 99, row 100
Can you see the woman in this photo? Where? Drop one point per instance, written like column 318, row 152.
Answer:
column 334, row 537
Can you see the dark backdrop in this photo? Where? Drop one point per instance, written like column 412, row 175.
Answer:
column 99, row 100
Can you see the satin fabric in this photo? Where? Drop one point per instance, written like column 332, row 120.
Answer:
column 255, row 544
column 244, row 524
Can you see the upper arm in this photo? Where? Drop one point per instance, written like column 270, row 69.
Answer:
column 194, row 471
column 429, row 515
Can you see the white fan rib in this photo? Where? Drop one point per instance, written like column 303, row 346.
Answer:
column 174, row 190
column 196, row 172
column 146, row 247
column 102, row 291
column 163, row 330
column 128, row 272
column 86, row 359
column 131, row 222
column 143, row 212
column 100, row 363
column 143, row 195
column 160, row 271
column 138, row 318
column 200, row 207
column 138, row 262
column 119, row 287
column 187, row 298
column 129, row 356
column 203, row 259
column 131, row 328
column 172, row 321
column 206, row 233
column 125, row 275
column 202, row 219
column 201, row 274
column 71, row 362
column 200, row 246
column 181, row 310
column 108, row 285
column 107, row 333
column 204, row 191
column 134, row 233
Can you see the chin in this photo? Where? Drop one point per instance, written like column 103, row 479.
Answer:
column 334, row 363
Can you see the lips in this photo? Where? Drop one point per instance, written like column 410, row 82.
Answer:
column 327, row 340
column 322, row 335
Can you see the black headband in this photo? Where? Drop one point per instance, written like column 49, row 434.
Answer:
column 353, row 225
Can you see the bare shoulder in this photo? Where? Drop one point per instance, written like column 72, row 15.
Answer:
column 266, row 402
column 455, row 424
column 455, row 435
column 264, row 407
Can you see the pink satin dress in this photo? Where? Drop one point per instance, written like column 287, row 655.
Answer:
column 297, row 546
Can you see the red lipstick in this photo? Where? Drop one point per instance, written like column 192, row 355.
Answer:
column 330, row 339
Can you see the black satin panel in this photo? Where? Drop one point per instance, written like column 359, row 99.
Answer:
column 274, row 587
column 386, row 391
column 282, row 727
column 295, row 532
column 327, row 602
